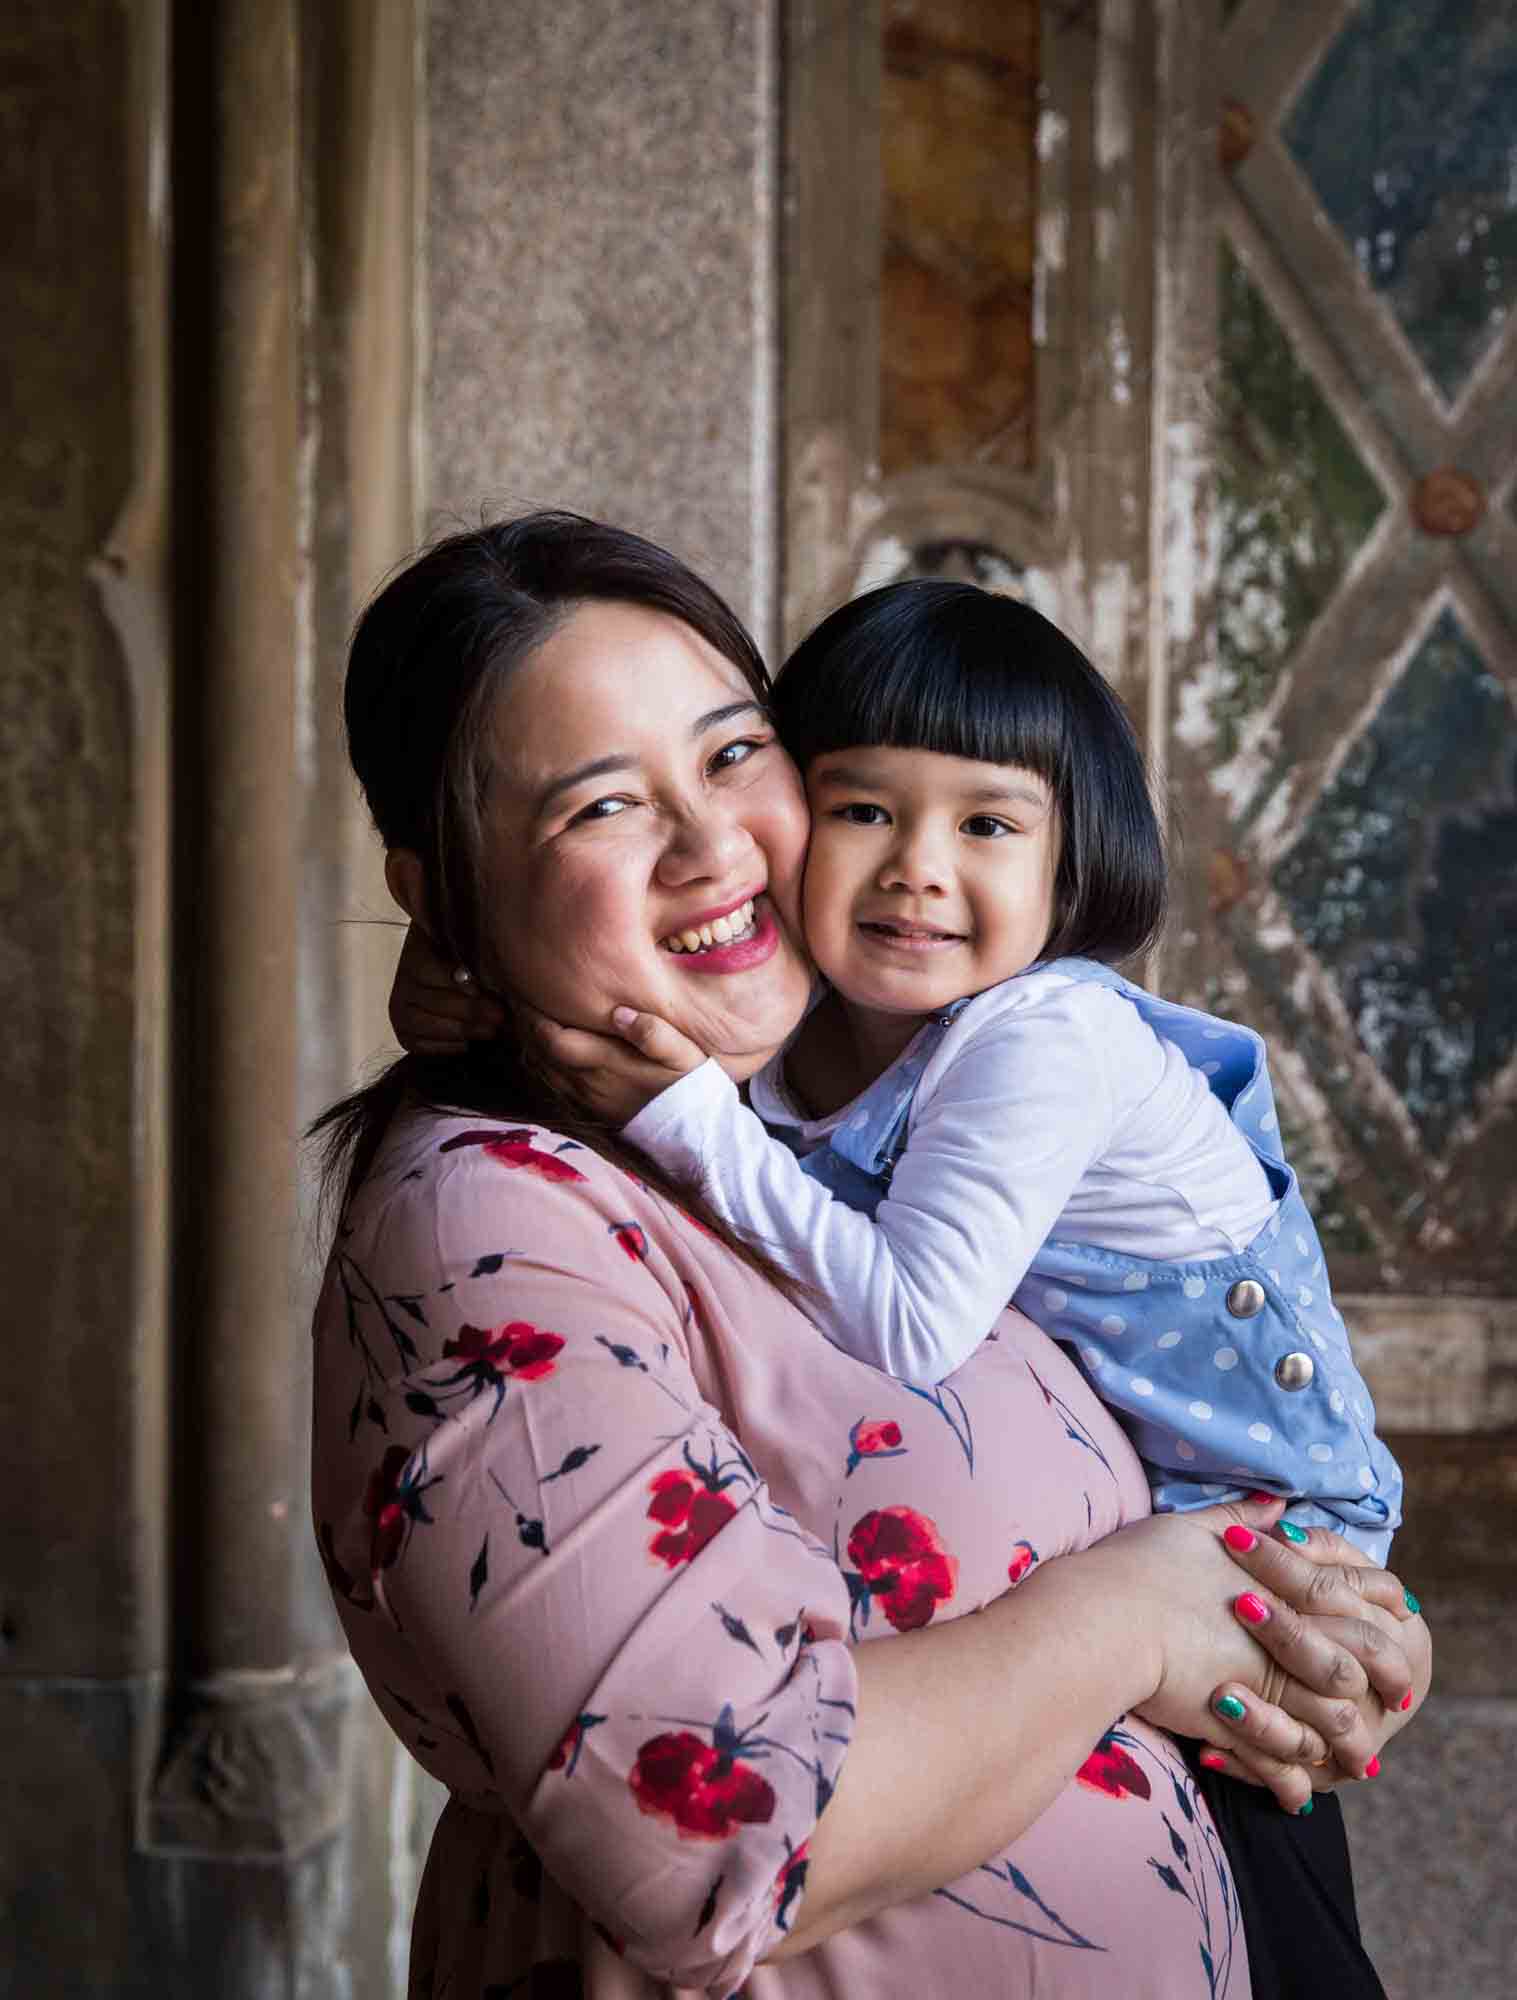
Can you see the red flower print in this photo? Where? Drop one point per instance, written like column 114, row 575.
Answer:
column 631, row 1239
column 789, row 1883
column 518, row 1348
column 513, row 1149
column 1023, row 1556
column 706, row 1791
column 392, row 1502
column 690, row 1512
column 1110, row 1769
column 873, row 1437
column 897, row 1553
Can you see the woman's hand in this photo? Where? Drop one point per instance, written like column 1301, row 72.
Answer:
column 1312, row 1586
column 432, row 1011
column 1296, row 1694
column 616, row 1074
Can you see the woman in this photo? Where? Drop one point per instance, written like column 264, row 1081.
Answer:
column 608, row 1523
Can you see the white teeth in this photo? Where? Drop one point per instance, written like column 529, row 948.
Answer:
column 722, row 931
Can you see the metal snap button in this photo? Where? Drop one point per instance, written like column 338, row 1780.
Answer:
column 1245, row 1298
column 1294, row 1371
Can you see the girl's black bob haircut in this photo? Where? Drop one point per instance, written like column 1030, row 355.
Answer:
column 968, row 673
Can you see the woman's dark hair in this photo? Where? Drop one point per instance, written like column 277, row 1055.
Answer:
column 430, row 657
column 969, row 673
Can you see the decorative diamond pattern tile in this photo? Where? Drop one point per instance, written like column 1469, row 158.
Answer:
column 1407, row 132
column 1295, row 501
column 1404, row 882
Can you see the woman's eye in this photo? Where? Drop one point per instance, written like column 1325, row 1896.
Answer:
column 599, row 809
column 985, row 826
column 732, row 754
column 861, row 813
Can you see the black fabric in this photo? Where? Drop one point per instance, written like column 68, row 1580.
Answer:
column 1295, row 1892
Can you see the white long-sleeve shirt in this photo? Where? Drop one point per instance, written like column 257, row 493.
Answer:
column 1049, row 1108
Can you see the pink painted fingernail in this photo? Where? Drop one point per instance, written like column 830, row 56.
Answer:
column 1213, row 1760
column 1252, row 1610
column 1406, row 1699
column 1372, row 1768
column 1241, row 1539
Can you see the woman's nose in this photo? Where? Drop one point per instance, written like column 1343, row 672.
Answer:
column 701, row 844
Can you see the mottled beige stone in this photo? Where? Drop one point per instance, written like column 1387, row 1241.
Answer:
column 599, row 271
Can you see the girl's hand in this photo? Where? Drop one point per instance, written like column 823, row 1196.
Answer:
column 1310, row 1586
column 616, row 1074
column 431, row 1012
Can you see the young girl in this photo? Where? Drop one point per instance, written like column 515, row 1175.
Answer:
column 978, row 1108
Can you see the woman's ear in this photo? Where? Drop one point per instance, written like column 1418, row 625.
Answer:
column 406, row 882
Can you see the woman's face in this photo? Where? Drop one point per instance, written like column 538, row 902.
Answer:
column 638, row 805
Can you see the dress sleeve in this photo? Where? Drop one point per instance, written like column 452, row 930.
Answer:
column 627, row 1646
column 997, row 1145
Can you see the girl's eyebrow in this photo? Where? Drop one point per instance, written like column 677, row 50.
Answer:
column 859, row 778
column 623, row 760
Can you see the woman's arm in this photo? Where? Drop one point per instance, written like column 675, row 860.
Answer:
column 1000, row 1708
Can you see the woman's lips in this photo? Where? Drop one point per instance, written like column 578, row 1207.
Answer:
column 753, row 948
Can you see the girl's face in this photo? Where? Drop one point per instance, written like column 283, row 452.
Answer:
column 929, row 877
column 645, row 837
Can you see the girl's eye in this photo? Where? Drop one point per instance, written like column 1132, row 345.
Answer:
column 985, row 826
column 732, row 754
column 861, row 813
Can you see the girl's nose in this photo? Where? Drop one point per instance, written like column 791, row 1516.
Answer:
column 703, row 844
column 916, row 864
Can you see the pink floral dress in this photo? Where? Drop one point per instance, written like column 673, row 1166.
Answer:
column 602, row 1514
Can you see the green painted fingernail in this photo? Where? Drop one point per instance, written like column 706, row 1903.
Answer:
column 1291, row 1532
column 1302, row 1811
column 1230, row 1708
column 1412, row 1604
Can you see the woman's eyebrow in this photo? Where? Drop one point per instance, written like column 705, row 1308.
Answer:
column 623, row 760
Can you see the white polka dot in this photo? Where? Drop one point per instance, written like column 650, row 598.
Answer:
column 1055, row 1300
column 1092, row 1357
column 1360, row 1411
column 1260, row 1433
column 1168, row 1340
column 1316, row 1339
column 1366, row 1478
column 1072, row 1280
column 1319, row 1267
column 1214, row 1034
column 1201, row 1412
column 1321, row 1454
column 1225, row 1358
column 1336, row 1314
column 1210, row 1068
column 1141, row 1386
column 1193, row 1287
column 1272, row 1273
column 858, row 1121
column 1184, row 1449
column 1113, row 1323
column 1303, row 1246
column 1335, row 1402
column 1135, row 1281
column 1211, row 1489
column 1304, row 1295
column 1268, row 1122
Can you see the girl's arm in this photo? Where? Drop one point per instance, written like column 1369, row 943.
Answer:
column 996, row 1148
